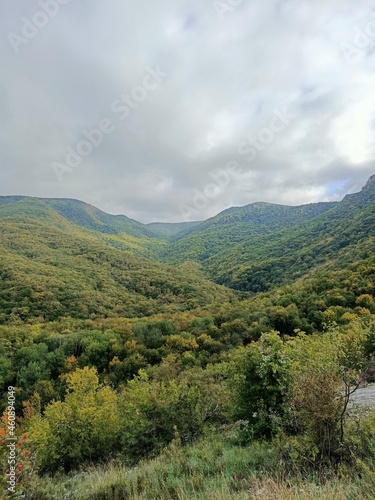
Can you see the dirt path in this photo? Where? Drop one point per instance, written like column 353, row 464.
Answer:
column 364, row 396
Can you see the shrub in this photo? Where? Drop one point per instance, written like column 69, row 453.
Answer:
column 83, row 427
column 318, row 406
column 154, row 412
column 261, row 377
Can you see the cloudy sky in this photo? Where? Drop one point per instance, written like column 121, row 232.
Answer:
column 177, row 109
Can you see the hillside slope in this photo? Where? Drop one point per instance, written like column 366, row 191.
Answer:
column 66, row 258
column 342, row 235
column 116, row 230
column 51, row 268
column 237, row 225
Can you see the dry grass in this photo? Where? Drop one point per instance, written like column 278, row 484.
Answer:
column 206, row 471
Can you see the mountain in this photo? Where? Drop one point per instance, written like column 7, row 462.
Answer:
column 61, row 257
column 336, row 238
column 92, row 218
column 52, row 267
column 116, row 230
column 83, row 214
column 238, row 225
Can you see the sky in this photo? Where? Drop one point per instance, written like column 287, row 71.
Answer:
column 178, row 109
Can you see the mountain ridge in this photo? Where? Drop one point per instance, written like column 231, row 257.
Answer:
column 349, row 227
column 62, row 257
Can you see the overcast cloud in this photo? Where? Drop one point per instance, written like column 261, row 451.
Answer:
column 223, row 72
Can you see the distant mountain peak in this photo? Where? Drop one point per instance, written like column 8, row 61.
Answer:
column 371, row 181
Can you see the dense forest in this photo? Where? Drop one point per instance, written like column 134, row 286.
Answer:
column 206, row 360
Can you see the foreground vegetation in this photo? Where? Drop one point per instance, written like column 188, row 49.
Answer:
column 210, row 469
column 266, row 418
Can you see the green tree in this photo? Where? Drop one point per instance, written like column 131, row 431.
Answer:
column 262, row 381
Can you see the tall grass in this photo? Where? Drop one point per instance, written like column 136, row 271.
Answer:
column 208, row 470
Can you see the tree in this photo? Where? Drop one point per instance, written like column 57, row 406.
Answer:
column 83, row 427
column 261, row 375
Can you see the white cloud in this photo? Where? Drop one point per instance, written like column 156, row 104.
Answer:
column 225, row 78
column 353, row 129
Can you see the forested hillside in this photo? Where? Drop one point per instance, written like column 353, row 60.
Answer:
column 66, row 258
column 78, row 212
column 116, row 230
column 135, row 374
column 238, row 225
column 336, row 238
column 51, row 268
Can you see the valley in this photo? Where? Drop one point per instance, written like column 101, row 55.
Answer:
column 141, row 354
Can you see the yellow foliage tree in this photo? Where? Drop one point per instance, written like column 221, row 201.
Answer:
column 83, row 427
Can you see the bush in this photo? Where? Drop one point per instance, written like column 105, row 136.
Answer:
column 153, row 413
column 317, row 407
column 83, row 427
column 261, row 377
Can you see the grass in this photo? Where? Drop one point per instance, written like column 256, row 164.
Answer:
column 209, row 470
